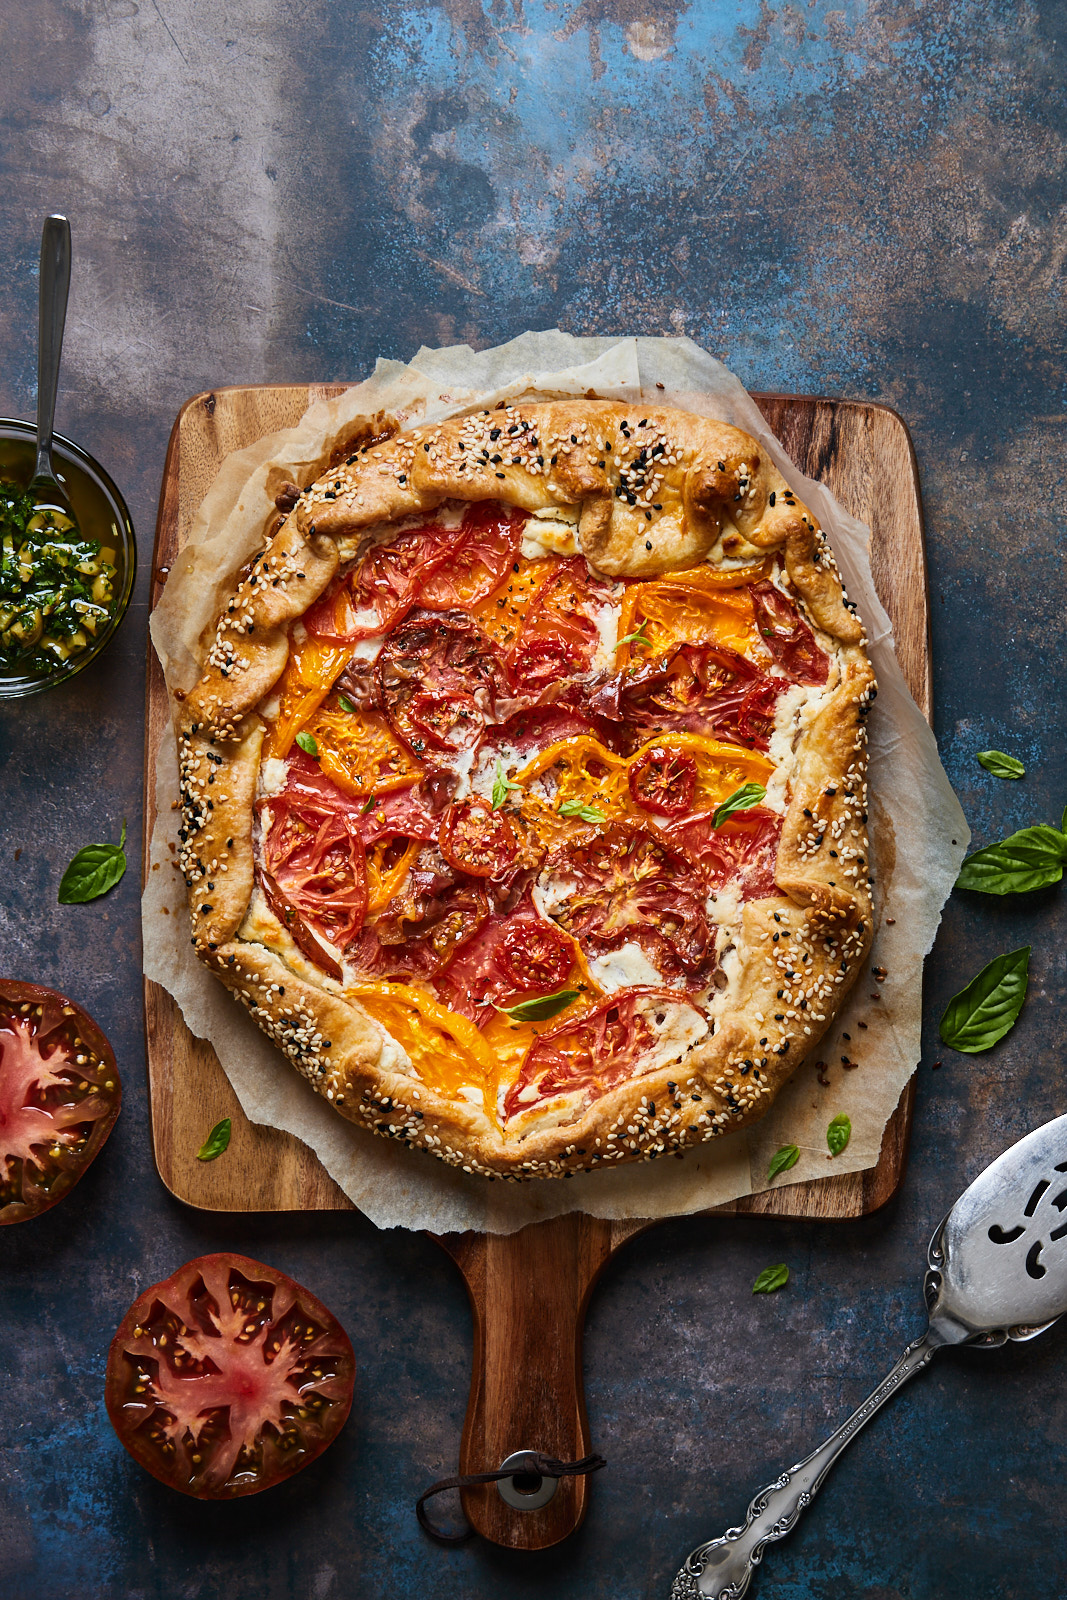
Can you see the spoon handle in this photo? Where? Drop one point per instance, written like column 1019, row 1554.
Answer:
column 54, row 287
column 722, row 1569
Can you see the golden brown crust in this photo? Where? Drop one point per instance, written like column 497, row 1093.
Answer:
column 657, row 491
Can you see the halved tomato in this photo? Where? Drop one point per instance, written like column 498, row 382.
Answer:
column 476, row 839
column 59, row 1097
column 482, row 554
column 663, row 780
column 631, row 885
column 227, row 1378
column 381, row 589
column 701, row 689
column 534, row 956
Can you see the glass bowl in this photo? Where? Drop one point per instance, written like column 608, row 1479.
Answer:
column 102, row 515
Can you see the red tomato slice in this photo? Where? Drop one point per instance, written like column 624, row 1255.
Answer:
column 227, row 1378
column 632, row 885
column 314, row 864
column 559, row 634
column 477, row 840
column 594, row 1054
column 787, row 636
column 519, row 955
column 664, row 780
column 381, row 589
column 480, row 559
column 745, row 847
column 421, row 930
column 438, row 677
column 59, row 1097
column 401, row 814
column 535, row 956
column 703, row 689
column 527, row 733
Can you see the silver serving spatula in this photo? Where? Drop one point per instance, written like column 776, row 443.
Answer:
column 997, row 1271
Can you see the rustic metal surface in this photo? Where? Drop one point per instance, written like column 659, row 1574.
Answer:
column 865, row 198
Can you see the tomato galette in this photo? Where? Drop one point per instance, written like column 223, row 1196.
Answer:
column 523, row 793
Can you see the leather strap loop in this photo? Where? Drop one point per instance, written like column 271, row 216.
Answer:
column 534, row 1463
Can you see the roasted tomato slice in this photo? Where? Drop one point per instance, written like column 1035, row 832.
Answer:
column 59, row 1097
column 381, row 589
column 559, row 634
column 228, row 1377
column 610, row 1045
column 629, row 885
column 664, row 780
column 438, row 678
column 787, row 636
column 479, row 560
column 424, row 925
column 535, row 957
column 477, row 840
column 744, row 847
column 313, row 856
column 696, row 689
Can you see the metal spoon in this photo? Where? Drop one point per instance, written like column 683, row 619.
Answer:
column 997, row 1271
column 54, row 288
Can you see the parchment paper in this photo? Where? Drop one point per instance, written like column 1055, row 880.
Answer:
column 916, row 864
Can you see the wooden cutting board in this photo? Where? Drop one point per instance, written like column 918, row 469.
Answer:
column 528, row 1290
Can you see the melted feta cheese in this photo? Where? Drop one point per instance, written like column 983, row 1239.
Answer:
column 550, row 532
column 271, row 776
column 625, row 968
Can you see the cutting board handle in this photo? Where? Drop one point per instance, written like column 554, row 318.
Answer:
column 528, row 1292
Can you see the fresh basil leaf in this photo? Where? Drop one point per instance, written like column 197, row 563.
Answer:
column 216, row 1142
column 307, row 743
column 539, row 1010
column 640, row 637
column 95, row 869
column 1000, row 765
column 577, row 808
column 771, row 1278
column 368, row 802
column 749, row 794
column 838, row 1133
column 346, row 705
column 1030, row 859
column 501, row 785
column 986, row 1010
column 782, row 1160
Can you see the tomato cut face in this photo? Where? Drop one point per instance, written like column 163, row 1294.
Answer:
column 478, row 840
column 59, row 1097
column 787, row 636
column 227, row 1378
column 481, row 556
column 628, row 885
column 701, row 689
column 508, row 959
column 664, row 780
column 423, row 927
column 381, row 589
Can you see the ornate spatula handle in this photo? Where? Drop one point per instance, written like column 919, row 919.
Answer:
column 722, row 1569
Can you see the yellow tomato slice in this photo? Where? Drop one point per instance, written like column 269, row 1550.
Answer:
column 385, row 883
column 696, row 607
column 589, row 774
column 501, row 616
column 309, row 676
column 447, row 1052
column 361, row 753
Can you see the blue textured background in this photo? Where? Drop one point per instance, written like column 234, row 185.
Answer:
column 865, row 199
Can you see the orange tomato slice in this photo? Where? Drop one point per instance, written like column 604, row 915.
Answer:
column 446, row 1050
column 361, row 753
column 309, row 675
column 701, row 606
column 501, row 616
column 385, row 883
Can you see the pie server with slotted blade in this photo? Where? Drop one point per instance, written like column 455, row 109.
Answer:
column 997, row 1271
